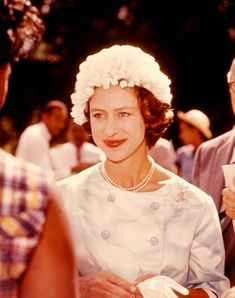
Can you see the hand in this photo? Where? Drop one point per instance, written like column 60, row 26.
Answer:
column 104, row 284
column 229, row 202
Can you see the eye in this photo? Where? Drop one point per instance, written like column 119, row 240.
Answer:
column 124, row 114
column 98, row 115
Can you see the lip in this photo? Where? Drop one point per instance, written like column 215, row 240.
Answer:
column 114, row 143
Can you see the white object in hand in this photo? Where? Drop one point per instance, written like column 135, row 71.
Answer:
column 162, row 287
column 230, row 293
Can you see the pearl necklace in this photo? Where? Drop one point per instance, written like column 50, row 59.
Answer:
column 134, row 188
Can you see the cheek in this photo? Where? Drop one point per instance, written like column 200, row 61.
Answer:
column 95, row 131
column 143, row 137
column 136, row 132
column 57, row 124
column 141, row 128
column 97, row 140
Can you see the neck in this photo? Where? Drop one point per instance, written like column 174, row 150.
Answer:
column 128, row 173
column 131, row 170
column 197, row 143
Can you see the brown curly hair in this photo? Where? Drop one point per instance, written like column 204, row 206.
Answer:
column 21, row 29
column 157, row 116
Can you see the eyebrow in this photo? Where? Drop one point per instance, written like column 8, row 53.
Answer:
column 117, row 109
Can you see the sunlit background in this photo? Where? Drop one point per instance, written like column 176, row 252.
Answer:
column 193, row 40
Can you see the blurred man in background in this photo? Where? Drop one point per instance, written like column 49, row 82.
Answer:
column 208, row 175
column 77, row 153
column 34, row 142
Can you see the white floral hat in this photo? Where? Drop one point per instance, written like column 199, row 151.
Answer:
column 123, row 65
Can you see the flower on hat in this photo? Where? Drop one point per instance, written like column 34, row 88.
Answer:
column 123, row 65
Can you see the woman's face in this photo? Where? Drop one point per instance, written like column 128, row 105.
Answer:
column 117, row 125
column 186, row 133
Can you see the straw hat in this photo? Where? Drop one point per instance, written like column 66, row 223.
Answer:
column 197, row 119
column 231, row 73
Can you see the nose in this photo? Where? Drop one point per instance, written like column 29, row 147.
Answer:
column 111, row 127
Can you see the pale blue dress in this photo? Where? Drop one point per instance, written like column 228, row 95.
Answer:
column 173, row 231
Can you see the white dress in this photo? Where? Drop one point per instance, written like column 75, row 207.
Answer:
column 173, row 231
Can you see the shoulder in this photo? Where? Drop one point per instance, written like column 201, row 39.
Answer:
column 32, row 133
column 27, row 183
column 65, row 147
column 87, row 145
column 190, row 193
column 84, row 179
column 31, row 129
column 17, row 166
column 216, row 142
column 91, row 148
column 80, row 190
column 24, row 198
column 185, row 150
column 163, row 143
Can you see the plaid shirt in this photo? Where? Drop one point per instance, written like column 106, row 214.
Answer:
column 24, row 193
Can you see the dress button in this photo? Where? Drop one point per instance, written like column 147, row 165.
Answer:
column 154, row 241
column 105, row 234
column 111, row 198
column 154, row 206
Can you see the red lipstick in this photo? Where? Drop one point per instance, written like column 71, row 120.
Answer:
column 114, row 143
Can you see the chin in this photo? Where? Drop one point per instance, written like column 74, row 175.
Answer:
column 114, row 157
column 117, row 158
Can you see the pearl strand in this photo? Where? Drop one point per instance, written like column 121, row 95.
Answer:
column 135, row 188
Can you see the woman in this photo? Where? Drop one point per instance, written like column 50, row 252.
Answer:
column 132, row 219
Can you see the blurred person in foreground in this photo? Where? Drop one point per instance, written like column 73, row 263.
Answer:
column 77, row 153
column 194, row 129
column 36, row 254
column 34, row 142
column 208, row 175
column 139, row 229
